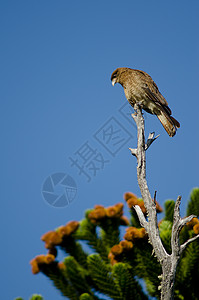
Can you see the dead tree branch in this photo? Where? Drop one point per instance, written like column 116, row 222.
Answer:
column 168, row 261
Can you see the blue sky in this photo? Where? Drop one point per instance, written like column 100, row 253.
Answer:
column 56, row 61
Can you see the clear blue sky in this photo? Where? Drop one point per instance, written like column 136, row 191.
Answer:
column 56, row 61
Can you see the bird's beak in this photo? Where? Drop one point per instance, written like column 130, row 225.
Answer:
column 113, row 81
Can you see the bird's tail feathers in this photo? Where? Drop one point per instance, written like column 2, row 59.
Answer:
column 168, row 122
column 175, row 122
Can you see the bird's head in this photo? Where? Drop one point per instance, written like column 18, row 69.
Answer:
column 116, row 76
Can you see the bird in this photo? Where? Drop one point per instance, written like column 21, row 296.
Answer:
column 139, row 88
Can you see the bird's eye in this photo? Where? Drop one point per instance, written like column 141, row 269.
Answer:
column 114, row 76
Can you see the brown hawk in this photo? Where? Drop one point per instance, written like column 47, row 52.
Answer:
column 140, row 88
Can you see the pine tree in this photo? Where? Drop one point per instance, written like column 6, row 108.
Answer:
column 114, row 267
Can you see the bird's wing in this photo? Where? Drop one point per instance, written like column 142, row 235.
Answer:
column 152, row 91
column 157, row 97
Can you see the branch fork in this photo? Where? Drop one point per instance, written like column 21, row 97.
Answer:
column 150, row 139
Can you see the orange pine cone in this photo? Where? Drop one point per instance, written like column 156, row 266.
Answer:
column 196, row 228
column 51, row 239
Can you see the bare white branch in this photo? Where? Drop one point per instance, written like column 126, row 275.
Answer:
column 150, row 205
column 133, row 151
column 141, row 217
column 185, row 220
column 183, row 246
column 150, row 140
